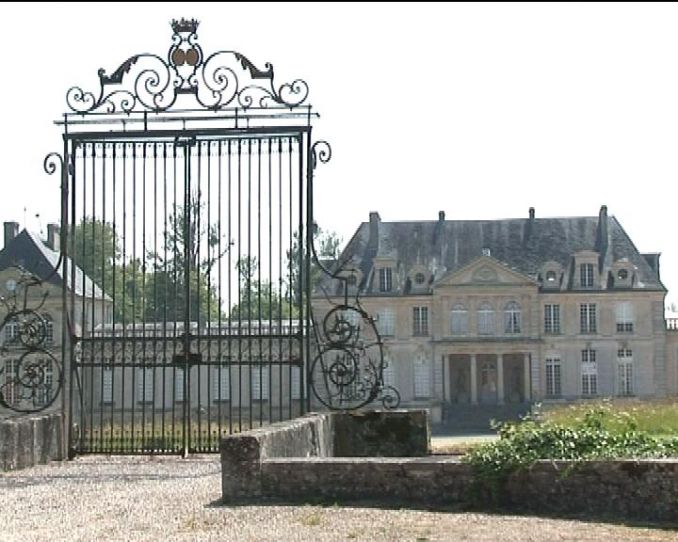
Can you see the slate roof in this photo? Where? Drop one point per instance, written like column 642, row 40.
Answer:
column 523, row 244
column 31, row 253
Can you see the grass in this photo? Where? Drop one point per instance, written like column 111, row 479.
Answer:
column 150, row 437
column 656, row 418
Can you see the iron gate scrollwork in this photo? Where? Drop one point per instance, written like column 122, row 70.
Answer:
column 187, row 209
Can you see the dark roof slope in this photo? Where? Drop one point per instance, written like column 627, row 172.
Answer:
column 31, row 253
column 524, row 244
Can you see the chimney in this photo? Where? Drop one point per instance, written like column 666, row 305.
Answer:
column 373, row 241
column 531, row 213
column 601, row 240
column 529, row 226
column 53, row 239
column 441, row 216
column 11, row 231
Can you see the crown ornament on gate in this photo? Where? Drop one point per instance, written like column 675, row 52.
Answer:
column 222, row 80
column 185, row 25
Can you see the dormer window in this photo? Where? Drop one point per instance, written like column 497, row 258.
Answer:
column 551, row 277
column 586, row 275
column 622, row 274
column 419, row 278
column 385, row 279
column 486, row 252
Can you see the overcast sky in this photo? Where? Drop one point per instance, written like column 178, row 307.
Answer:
column 480, row 110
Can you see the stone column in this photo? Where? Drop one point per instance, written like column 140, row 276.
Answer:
column 474, row 381
column 527, row 385
column 500, row 379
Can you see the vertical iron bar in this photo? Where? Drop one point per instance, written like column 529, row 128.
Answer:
column 114, row 341
column 270, row 289
column 240, row 266
column 219, row 279
column 230, row 297
column 259, row 351
column 144, row 359
column 168, row 444
column 208, row 243
column 187, row 293
column 280, row 269
column 291, row 337
column 305, row 349
column 133, row 265
column 123, row 440
column 102, row 301
column 249, row 276
column 195, row 261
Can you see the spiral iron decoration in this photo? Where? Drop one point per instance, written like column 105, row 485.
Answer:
column 147, row 82
column 31, row 376
column 347, row 371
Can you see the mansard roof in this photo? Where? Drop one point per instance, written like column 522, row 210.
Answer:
column 30, row 252
column 522, row 244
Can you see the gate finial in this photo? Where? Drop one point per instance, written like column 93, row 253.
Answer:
column 185, row 25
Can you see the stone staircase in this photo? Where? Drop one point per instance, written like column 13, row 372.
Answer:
column 460, row 418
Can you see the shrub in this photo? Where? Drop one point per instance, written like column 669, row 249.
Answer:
column 593, row 436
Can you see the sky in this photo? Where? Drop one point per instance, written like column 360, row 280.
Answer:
column 480, row 110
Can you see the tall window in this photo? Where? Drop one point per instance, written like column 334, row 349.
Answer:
column 11, row 331
column 386, row 322
column 587, row 318
column 586, row 275
column 11, row 381
column 420, row 321
column 486, row 319
column 422, row 378
column 389, row 373
column 512, row 318
column 385, row 279
column 220, row 385
column 260, row 387
column 589, row 372
column 145, row 385
column 552, row 319
column 179, row 385
column 296, row 383
column 553, row 384
column 49, row 329
column 625, row 317
column 625, row 371
column 107, row 385
column 459, row 320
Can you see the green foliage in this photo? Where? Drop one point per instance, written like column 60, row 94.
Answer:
column 600, row 433
column 259, row 298
column 327, row 245
column 653, row 417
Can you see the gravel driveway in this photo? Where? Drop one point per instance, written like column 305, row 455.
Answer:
column 167, row 498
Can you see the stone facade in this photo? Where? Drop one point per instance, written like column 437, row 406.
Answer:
column 510, row 311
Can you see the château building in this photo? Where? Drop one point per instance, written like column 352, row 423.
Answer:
column 511, row 311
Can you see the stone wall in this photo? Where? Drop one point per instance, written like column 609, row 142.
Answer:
column 298, row 461
column 30, row 440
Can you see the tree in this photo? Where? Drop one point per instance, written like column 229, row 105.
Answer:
column 96, row 250
column 259, row 300
column 183, row 252
column 327, row 248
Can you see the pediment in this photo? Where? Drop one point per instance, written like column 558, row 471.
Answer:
column 485, row 270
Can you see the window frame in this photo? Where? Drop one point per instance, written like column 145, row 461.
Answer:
column 553, row 371
column 420, row 327
column 512, row 318
column 586, row 275
column 486, row 320
column 461, row 312
column 385, row 279
column 588, row 318
column 552, row 319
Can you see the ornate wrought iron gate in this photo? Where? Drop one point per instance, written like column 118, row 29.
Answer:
column 189, row 228
column 185, row 264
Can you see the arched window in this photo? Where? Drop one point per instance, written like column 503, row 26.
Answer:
column 459, row 320
column 512, row 318
column 485, row 319
column 49, row 329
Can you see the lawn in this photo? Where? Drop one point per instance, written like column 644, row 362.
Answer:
column 657, row 418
